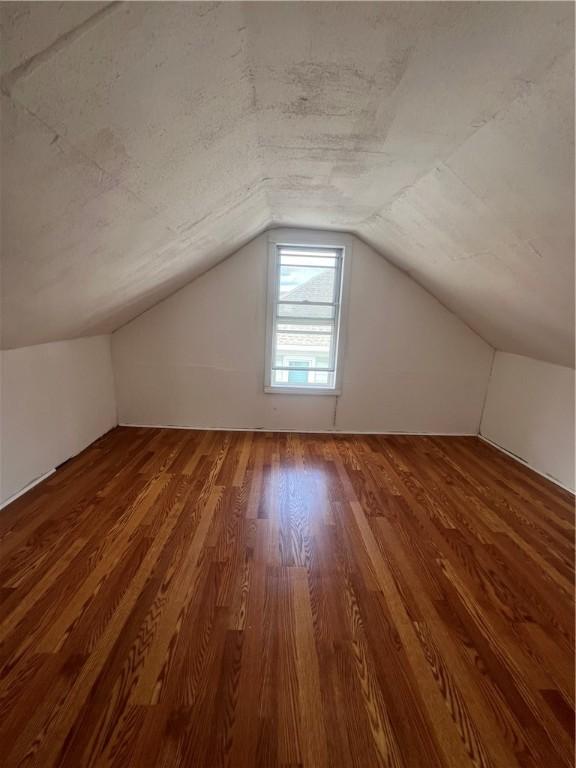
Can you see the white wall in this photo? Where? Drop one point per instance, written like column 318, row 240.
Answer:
column 56, row 399
column 530, row 412
column 197, row 358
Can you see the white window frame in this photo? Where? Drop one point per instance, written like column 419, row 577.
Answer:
column 311, row 239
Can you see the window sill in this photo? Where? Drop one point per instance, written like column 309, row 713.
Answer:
column 301, row 391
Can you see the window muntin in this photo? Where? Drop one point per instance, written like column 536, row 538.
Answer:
column 304, row 316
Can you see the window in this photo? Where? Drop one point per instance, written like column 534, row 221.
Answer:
column 304, row 315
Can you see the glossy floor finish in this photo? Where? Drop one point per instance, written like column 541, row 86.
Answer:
column 181, row 598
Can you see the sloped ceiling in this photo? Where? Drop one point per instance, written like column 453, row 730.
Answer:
column 144, row 142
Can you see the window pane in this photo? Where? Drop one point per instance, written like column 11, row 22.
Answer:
column 307, row 283
column 313, row 348
column 322, row 379
column 297, row 373
column 313, row 251
column 304, row 327
column 312, row 311
column 309, row 261
column 312, row 378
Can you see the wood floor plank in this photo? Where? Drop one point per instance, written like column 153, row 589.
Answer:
column 187, row 598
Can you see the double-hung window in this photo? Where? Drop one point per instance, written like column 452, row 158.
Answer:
column 304, row 316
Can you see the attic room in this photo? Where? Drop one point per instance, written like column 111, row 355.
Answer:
column 287, row 384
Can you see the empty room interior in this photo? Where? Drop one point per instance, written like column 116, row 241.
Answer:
column 287, row 385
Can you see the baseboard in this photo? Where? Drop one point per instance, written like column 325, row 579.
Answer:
column 26, row 488
column 31, row 484
column 300, row 431
column 309, row 432
column 522, row 461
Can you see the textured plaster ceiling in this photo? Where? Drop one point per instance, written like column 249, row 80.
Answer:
column 144, row 142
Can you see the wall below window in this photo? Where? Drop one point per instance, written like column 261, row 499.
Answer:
column 530, row 412
column 57, row 398
column 197, row 358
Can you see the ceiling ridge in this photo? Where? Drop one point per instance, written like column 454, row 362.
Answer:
column 181, row 134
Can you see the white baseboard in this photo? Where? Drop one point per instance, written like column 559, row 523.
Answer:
column 522, row 461
column 26, row 488
column 300, row 431
column 312, row 432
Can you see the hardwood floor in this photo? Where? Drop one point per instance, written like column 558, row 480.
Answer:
column 180, row 598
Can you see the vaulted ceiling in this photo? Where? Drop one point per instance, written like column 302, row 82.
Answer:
column 144, row 142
